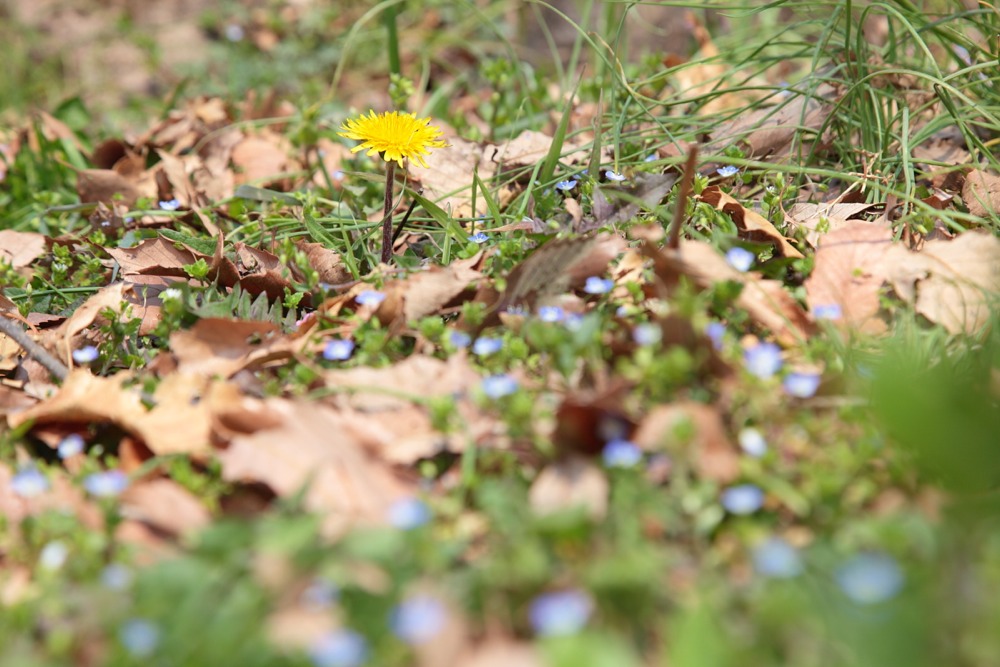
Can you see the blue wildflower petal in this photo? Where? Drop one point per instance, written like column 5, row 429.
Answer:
column 870, row 578
column 560, row 613
column 742, row 499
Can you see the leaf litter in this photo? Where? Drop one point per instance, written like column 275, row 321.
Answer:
column 354, row 445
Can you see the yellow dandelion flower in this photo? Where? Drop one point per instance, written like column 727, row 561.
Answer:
column 393, row 134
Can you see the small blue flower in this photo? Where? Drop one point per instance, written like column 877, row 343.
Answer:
column 116, row 577
column 742, row 499
column 418, row 619
column 647, row 333
column 338, row 350
column 479, row 237
column 614, row 176
column 801, row 385
column 53, row 555
column 551, row 314
column 85, row 355
column 715, row 331
column 408, row 513
column 234, row 32
column 498, row 386
column 828, row 311
column 560, row 613
column 777, row 559
column 566, row 185
column 598, row 285
column 459, row 339
column 71, row 445
column 573, row 321
column 727, row 170
column 340, row 648
column 519, row 311
column 621, row 454
column 106, row 484
column 320, row 594
column 740, row 259
column 370, row 297
column 763, row 360
column 29, row 482
column 485, row 346
column 752, row 442
column 139, row 637
column 870, row 578
column 170, row 205
column 650, row 158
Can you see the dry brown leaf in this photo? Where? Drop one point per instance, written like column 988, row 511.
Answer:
column 327, row 264
column 374, row 401
column 180, row 422
column 767, row 301
column 769, row 132
column 312, row 448
column 262, row 159
column 448, row 179
column 164, row 505
column 503, row 653
column 752, row 225
column 819, row 219
column 425, row 293
column 219, row 346
column 981, row 193
column 110, row 297
column 154, row 257
column 850, row 270
column 571, row 482
column 953, row 283
column 20, row 249
column 714, row 456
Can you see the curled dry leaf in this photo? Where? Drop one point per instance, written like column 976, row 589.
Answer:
column 571, row 482
column 261, row 159
column 752, row 225
column 448, row 179
column 850, row 269
column 713, row 455
column 314, row 449
column 179, row 422
column 426, row 292
column 111, row 297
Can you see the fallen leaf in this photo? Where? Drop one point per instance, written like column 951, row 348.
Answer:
column 981, row 193
column 712, row 454
column 954, row 283
column 261, row 160
column 397, row 423
column 616, row 206
column 20, row 249
column 819, row 219
column 164, row 505
column 766, row 301
column 752, row 225
column 426, row 292
column 219, row 346
column 503, row 653
column 180, row 421
column 111, row 297
column 850, row 269
column 571, row 482
column 312, row 450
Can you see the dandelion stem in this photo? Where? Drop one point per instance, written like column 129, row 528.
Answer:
column 390, row 173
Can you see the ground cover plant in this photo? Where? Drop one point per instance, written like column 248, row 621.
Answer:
column 461, row 333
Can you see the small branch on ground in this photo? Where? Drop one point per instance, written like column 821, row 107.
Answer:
column 34, row 350
column 680, row 206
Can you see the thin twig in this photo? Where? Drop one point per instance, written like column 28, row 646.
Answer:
column 680, row 206
column 34, row 350
column 390, row 174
